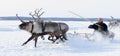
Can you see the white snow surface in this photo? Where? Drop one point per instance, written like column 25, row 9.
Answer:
column 11, row 39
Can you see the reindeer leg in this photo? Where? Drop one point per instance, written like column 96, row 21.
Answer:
column 36, row 37
column 65, row 37
column 42, row 37
column 51, row 36
column 29, row 39
column 62, row 38
column 57, row 37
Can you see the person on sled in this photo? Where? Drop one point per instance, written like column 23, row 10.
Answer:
column 100, row 26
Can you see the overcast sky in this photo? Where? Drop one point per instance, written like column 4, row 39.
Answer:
column 60, row 8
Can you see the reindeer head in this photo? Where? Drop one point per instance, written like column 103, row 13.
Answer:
column 28, row 25
column 25, row 25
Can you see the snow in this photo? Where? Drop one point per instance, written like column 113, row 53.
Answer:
column 11, row 39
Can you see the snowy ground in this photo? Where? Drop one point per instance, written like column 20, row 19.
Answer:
column 11, row 38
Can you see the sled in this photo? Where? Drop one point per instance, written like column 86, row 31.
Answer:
column 104, row 35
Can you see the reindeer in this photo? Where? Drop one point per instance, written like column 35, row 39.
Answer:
column 113, row 23
column 39, row 28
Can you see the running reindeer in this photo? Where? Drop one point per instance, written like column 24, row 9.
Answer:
column 113, row 23
column 39, row 28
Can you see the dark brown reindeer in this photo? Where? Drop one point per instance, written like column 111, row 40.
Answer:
column 39, row 28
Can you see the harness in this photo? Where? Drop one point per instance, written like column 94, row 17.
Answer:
column 43, row 25
column 32, row 28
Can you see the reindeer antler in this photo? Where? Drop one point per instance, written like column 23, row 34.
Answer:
column 19, row 18
column 32, row 15
column 112, row 17
column 37, row 14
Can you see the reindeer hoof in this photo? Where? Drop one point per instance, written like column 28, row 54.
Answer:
column 57, row 42
column 43, row 38
column 53, row 42
column 35, row 46
column 66, row 39
column 23, row 44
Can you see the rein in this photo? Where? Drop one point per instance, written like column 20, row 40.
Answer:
column 98, row 25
